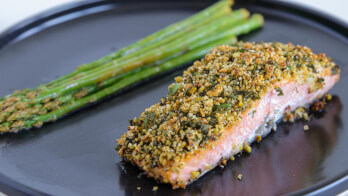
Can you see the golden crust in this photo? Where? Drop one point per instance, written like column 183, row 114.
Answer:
column 211, row 95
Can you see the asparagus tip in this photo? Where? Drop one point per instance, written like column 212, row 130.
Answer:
column 230, row 2
column 234, row 40
column 259, row 17
column 245, row 12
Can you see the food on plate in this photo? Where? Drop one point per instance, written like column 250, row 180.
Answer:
column 170, row 47
column 221, row 104
column 268, row 161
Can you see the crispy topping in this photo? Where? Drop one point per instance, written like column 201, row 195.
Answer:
column 307, row 113
column 247, row 147
column 328, row 97
column 155, row 188
column 318, row 106
column 195, row 174
column 240, row 177
column 211, row 95
column 280, row 91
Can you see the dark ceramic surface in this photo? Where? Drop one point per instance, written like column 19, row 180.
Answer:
column 76, row 156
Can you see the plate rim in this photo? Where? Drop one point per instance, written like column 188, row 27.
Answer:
column 68, row 12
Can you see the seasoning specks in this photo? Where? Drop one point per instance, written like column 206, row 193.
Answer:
column 240, row 177
column 211, row 95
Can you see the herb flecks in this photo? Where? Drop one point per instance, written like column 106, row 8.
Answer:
column 212, row 95
column 173, row 89
column 280, row 91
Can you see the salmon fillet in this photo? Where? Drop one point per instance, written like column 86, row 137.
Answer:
column 221, row 104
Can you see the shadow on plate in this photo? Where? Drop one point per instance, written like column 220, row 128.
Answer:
column 286, row 161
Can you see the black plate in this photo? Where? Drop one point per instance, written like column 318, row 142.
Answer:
column 76, row 156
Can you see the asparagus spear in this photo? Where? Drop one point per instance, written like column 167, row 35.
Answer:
column 22, row 110
column 145, row 48
column 118, row 67
column 25, row 98
column 243, row 27
column 91, row 88
column 197, row 34
column 172, row 29
column 132, row 79
column 160, row 37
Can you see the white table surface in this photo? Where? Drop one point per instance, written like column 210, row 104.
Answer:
column 13, row 11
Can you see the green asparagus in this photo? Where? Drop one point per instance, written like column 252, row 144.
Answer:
column 118, row 67
column 141, row 75
column 163, row 36
column 168, row 48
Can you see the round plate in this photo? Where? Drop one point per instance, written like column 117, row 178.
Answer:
column 76, row 156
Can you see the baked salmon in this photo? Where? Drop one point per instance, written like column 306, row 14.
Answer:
column 221, row 104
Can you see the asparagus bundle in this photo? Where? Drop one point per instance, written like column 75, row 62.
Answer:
column 170, row 47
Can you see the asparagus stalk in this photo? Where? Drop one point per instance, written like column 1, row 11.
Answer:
column 172, row 29
column 183, row 35
column 240, row 14
column 23, row 109
column 132, row 79
column 160, row 37
column 114, row 68
column 244, row 26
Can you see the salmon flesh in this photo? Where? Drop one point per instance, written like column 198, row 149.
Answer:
column 221, row 104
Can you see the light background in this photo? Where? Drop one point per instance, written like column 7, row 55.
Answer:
column 13, row 11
